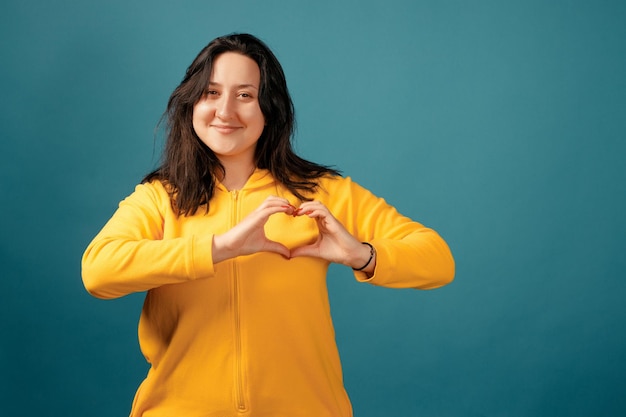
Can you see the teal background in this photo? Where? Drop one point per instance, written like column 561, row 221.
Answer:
column 501, row 124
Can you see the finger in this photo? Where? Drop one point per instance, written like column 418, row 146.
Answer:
column 273, row 205
column 276, row 200
column 320, row 215
column 311, row 205
column 273, row 201
column 312, row 210
column 266, row 212
column 291, row 210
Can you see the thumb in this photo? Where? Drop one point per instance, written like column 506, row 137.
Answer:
column 276, row 247
column 306, row 250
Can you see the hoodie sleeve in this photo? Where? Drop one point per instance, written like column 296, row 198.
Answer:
column 408, row 254
column 130, row 255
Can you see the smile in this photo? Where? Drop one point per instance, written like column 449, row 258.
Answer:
column 225, row 129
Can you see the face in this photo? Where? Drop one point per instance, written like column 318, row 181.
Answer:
column 228, row 118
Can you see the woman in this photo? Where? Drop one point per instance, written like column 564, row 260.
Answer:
column 232, row 236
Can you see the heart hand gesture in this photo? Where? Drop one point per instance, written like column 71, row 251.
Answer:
column 333, row 244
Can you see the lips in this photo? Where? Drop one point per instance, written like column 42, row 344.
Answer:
column 225, row 129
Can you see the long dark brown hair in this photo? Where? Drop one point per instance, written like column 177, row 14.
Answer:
column 189, row 167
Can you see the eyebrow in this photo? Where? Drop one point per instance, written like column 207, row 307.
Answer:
column 211, row 83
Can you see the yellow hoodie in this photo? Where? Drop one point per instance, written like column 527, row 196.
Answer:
column 250, row 336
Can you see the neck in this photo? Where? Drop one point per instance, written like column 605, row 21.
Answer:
column 236, row 174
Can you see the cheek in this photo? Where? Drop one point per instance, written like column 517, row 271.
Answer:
column 202, row 110
column 200, row 117
column 255, row 117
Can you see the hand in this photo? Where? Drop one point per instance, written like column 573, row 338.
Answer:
column 248, row 236
column 334, row 243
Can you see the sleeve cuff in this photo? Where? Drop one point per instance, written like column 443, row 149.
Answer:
column 202, row 257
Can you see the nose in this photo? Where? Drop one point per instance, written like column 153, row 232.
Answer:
column 225, row 107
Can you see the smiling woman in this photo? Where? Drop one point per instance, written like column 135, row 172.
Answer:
column 232, row 237
column 228, row 118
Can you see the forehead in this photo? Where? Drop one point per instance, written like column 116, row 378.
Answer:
column 231, row 68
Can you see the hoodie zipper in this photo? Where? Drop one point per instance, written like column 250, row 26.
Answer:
column 239, row 394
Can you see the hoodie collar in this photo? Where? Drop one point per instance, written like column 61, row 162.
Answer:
column 259, row 179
